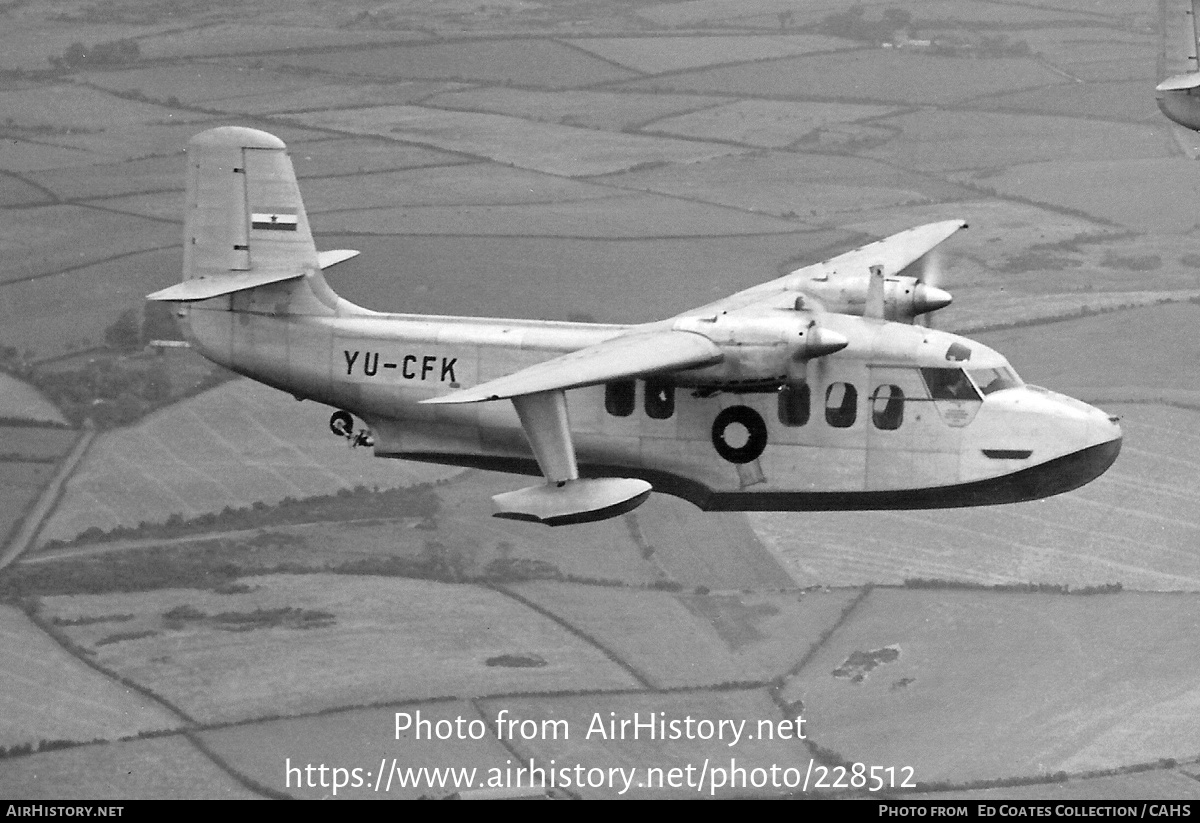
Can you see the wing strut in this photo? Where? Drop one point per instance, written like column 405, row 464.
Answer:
column 564, row 498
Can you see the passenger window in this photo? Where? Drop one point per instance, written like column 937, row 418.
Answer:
column 887, row 407
column 794, row 403
column 949, row 384
column 841, row 405
column 660, row 400
column 619, row 398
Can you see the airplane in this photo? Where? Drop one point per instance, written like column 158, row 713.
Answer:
column 817, row 390
column 1178, row 94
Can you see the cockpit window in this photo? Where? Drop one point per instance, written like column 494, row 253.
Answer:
column 992, row 380
column 949, row 384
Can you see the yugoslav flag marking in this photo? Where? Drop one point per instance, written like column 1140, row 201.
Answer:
column 274, row 220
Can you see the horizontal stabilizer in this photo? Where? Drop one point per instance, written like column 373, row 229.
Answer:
column 325, row 259
column 1180, row 82
column 202, row 288
column 619, row 358
column 576, row 501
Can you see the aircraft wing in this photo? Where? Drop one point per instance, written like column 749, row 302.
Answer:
column 893, row 254
column 619, row 358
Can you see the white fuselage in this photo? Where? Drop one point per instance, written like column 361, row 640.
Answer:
column 872, row 426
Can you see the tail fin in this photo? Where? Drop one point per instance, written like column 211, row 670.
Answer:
column 245, row 224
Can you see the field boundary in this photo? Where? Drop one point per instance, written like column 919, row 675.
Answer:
column 580, row 633
column 31, row 523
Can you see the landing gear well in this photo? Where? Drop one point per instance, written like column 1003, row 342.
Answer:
column 342, row 424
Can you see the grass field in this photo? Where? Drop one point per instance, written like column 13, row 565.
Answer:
column 620, row 216
column 363, row 737
column 537, row 62
column 33, row 237
column 36, row 442
column 866, row 75
column 695, row 640
column 1074, row 368
column 763, row 123
column 442, row 634
column 21, row 401
column 231, row 446
column 1158, row 193
column 1118, row 100
column 46, row 694
column 654, row 55
column 951, row 140
column 1037, row 683
column 589, row 109
column 807, row 187
column 545, row 147
column 664, row 540
column 167, row 768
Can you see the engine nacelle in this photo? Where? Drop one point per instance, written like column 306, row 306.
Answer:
column 903, row 297
column 760, row 352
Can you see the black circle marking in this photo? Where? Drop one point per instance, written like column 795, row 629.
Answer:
column 342, row 423
column 755, row 444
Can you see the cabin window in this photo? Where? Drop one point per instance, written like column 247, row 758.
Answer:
column 990, row 380
column 841, row 405
column 660, row 400
column 619, row 398
column 887, row 407
column 794, row 402
column 949, row 384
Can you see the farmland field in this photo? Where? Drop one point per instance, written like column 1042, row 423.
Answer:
column 545, row 147
column 618, row 217
column 21, row 401
column 1120, row 100
column 261, row 750
column 46, row 694
column 36, row 442
column 654, row 55
column 762, row 123
column 700, row 640
column 866, row 75
column 517, row 62
column 663, row 541
column 231, row 446
column 947, row 141
column 1073, row 371
column 225, row 670
column 169, row 768
column 29, row 235
column 1152, row 199
column 811, row 187
column 1037, row 683
column 590, row 109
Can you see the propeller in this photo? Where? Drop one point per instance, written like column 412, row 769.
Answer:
column 927, row 296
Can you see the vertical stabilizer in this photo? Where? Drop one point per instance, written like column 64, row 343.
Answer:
column 244, row 212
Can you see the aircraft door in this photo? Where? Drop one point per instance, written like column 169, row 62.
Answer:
column 894, row 409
